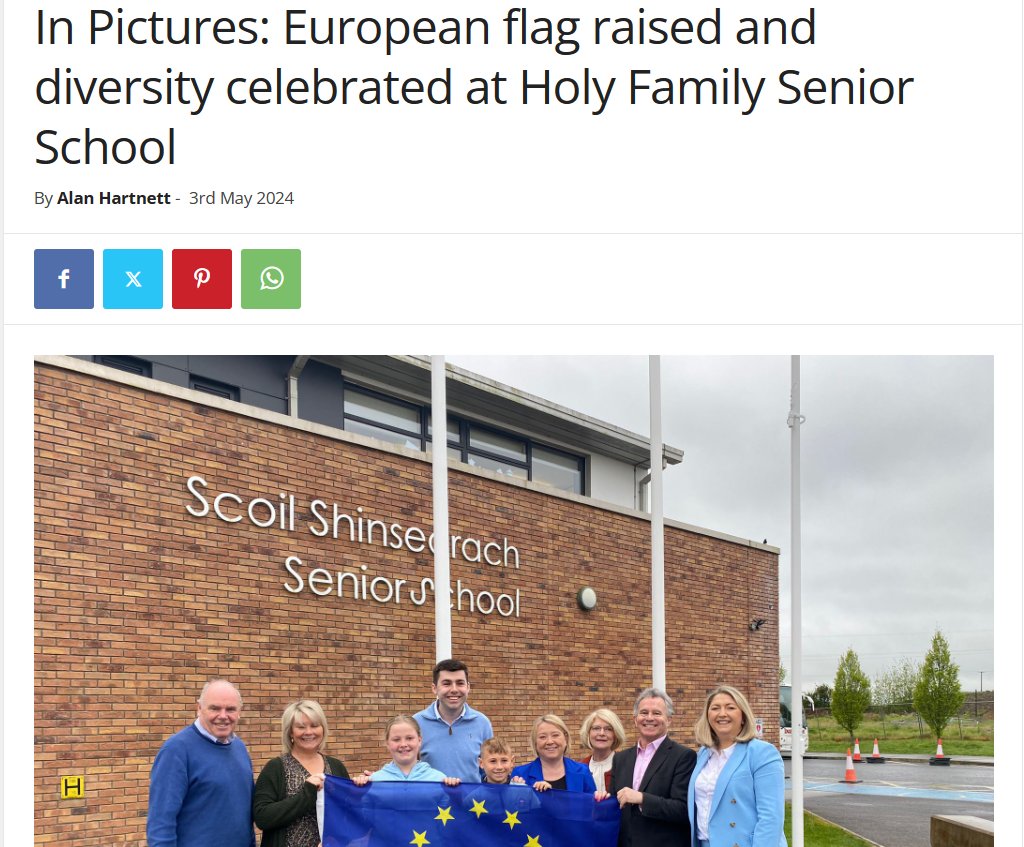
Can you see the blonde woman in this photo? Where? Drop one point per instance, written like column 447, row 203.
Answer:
column 737, row 792
column 602, row 734
column 549, row 739
column 285, row 803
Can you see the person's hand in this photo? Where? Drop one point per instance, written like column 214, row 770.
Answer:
column 316, row 779
column 361, row 779
column 517, row 780
column 541, row 785
column 601, row 794
column 628, row 796
column 452, row 781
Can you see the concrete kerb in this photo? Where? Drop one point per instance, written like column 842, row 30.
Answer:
column 920, row 758
column 850, row 832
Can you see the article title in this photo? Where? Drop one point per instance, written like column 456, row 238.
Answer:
column 584, row 68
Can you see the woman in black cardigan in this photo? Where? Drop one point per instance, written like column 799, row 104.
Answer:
column 284, row 805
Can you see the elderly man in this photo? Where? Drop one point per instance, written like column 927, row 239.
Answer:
column 200, row 788
column 651, row 779
column 452, row 731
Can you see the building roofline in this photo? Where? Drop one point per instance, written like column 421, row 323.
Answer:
column 480, row 397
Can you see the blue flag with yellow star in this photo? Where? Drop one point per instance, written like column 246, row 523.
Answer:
column 398, row 814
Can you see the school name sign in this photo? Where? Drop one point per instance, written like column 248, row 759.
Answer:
column 328, row 520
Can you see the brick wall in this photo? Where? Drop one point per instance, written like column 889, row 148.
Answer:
column 138, row 602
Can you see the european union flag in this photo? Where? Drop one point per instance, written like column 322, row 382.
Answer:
column 397, row 814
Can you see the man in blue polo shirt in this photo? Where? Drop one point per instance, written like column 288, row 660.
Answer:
column 201, row 787
column 452, row 730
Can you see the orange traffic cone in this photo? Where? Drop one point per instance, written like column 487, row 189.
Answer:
column 856, row 751
column 939, row 758
column 851, row 774
column 875, row 758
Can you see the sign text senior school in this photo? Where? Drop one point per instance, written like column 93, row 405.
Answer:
column 328, row 520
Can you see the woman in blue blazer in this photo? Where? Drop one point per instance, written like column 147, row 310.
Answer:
column 551, row 769
column 737, row 791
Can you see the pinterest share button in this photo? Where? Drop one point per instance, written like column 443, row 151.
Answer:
column 201, row 279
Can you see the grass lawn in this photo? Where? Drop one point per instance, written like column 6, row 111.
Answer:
column 819, row 833
column 900, row 734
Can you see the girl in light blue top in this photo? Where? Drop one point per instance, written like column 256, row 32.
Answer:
column 403, row 739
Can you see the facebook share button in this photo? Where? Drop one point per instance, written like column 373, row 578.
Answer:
column 64, row 279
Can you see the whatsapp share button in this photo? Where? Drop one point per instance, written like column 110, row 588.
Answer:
column 271, row 279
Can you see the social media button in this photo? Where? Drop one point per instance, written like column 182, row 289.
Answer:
column 201, row 279
column 271, row 279
column 133, row 279
column 64, row 279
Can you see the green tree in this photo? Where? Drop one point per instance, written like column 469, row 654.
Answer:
column 937, row 696
column 894, row 687
column 851, row 694
column 782, row 674
column 822, row 696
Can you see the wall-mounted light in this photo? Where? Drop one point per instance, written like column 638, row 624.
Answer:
column 756, row 624
column 586, row 598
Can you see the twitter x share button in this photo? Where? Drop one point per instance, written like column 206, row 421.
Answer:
column 271, row 279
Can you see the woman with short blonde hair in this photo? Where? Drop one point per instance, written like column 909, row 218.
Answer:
column 549, row 738
column 285, row 802
column 309, row 709
column 601, row 734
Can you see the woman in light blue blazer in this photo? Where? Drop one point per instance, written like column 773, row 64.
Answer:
column 737, row 790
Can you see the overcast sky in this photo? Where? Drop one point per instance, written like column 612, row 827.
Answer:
column 897, row 457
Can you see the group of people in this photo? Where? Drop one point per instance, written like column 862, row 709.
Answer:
column 730, row 792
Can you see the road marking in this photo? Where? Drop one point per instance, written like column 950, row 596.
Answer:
column 899, row 791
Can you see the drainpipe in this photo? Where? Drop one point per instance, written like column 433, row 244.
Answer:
column 293, row 384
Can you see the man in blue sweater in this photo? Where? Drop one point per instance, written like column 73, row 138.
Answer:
column 452, row 731
column 201, row 787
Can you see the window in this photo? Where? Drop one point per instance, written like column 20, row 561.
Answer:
column 503, row 446
column 139, row 367
column 385, row 418
column 510, row 455
column 397, row 421
column 212, row 386
column 504, row 468
column 559, row 470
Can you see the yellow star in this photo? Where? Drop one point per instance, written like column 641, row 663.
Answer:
column 444, row 815
column 478, row 808
column 511, row 818
column 419, row 838
column 532, row 841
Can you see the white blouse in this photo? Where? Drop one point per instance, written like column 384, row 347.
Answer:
column 599, row 769
column 704, row 787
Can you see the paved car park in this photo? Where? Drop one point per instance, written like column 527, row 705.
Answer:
column 893, row 804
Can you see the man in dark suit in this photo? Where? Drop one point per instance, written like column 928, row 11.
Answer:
column 651, row 779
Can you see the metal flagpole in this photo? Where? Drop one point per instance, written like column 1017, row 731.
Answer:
column 657, row 531
column 442, row 566
column 797, row 705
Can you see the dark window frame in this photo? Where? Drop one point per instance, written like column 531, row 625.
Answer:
column 224, row 390
column 581, row 462
column 128, row 364
column 421, row 434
